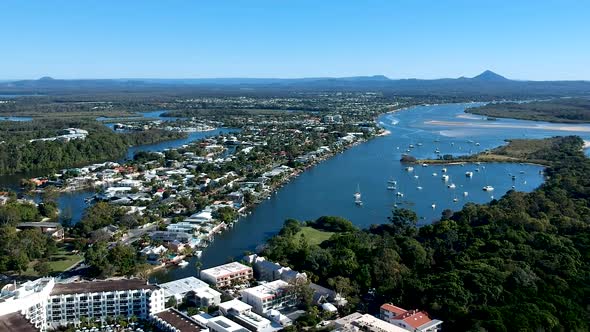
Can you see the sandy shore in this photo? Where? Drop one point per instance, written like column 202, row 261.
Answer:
column 573, row 128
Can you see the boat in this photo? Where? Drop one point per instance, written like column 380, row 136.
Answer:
column 455, row 200
column 357, row 196
column 424, row 165
column 392, row 181
column 465, row 194
column 183, row 263
column 444, row 170
column 419, row 188
column 399, row 194
column 434, row 174
column 488, row 188
column 419, row 144
column 452, row 186
column 469, row 174
column 416, row 176
column 477, row 144
column 409, row 168
column 445, row 178
column 433, row 206
column 391, row 188
column 411, row 146
column 437, row 151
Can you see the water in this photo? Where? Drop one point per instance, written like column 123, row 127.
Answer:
column 153, row 115
column 327, row 189
column 16, row 118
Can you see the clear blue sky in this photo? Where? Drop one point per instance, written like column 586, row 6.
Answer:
column 520, row 39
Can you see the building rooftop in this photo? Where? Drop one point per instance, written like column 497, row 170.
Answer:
column 182, row 286
column 267, row 290
column 181, row 322
column 227, row 324
column 15, row 322
column 225, row 269
column 100, row 286
column 234, row 304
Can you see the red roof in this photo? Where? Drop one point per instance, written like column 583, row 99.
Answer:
column 393, row 309
column 414, row 318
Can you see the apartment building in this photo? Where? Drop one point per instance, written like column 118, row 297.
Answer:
column 47, row 304
column 70, row 302
column 228, row 274
column 274, row 295
column 242, row 314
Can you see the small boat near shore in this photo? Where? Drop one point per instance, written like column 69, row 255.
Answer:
column 488, row 188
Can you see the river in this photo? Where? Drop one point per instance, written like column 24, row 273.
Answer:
column 327, row 189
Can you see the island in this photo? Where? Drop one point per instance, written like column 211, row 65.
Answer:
column 562, row 110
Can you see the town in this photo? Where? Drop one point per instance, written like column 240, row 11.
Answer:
column 252, row 295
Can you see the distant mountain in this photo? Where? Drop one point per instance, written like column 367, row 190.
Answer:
column 487, row 84
column 490, row 76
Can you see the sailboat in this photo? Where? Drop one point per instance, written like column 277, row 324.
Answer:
column 357, row 196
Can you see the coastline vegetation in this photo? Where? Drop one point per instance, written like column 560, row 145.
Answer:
column 519, row 263
column 563, row 110
column 532, row 151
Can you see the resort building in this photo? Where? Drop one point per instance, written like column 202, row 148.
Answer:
column 46, row 304
column 96, row 300
column 228, row 274
column 270, row 271
column 412, row 320
column 274, row 295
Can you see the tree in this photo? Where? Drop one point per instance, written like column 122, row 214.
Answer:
column 404, row 221
column 42, row 267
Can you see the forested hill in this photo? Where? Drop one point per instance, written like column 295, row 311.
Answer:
column 572, row 110
column 520, row 263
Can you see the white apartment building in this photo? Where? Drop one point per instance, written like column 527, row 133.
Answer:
column 47, row 304
column 364, row 322
column 274, row 295
column 193, row 290
column 69, row 303
column 227, row 274
column 242, row 314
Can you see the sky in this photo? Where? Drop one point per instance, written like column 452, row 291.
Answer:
column 520, row 39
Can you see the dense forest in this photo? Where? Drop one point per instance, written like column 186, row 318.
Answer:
column 572, row 110
column 17, row 154
column 520, row 263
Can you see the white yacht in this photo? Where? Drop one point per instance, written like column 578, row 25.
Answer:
column 469, row 174
column 488, row 188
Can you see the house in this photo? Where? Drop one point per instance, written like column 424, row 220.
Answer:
column 153, row 254
column 411, row 320
column 53, row 229
column 227, row 274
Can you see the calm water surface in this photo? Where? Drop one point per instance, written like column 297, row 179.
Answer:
column 327, row 188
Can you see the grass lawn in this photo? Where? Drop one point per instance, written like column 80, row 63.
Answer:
column 59, row 262
column 314, row 236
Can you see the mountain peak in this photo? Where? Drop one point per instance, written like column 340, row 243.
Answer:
column 489, row 75
column 46, row 78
